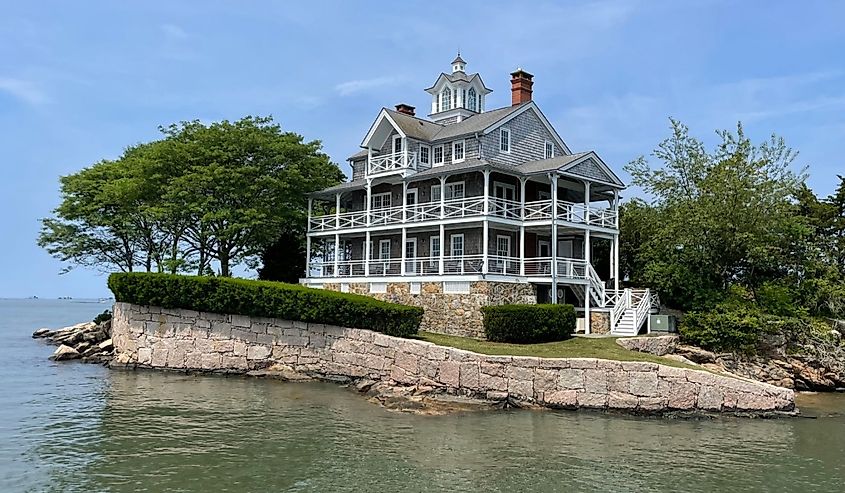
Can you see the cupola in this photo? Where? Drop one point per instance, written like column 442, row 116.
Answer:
column 458, row 95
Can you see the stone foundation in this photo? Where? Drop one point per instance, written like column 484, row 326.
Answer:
column 599, row 322
column 453, row 314
column 187, row 340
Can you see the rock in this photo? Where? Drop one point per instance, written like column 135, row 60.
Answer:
column 696, row 354
column 83, row 346
column 657, row 345
column 65, row 353
column 106, row 345
column 40, row 333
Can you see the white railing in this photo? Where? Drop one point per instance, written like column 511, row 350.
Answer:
column 597, row 285
column 540, row 210
column 503, row 265
column 392, row 162
column 464, row 264
column 572, row 268
column 463, row 207
column 508, row 209
column 416, row 266
column 642, row 301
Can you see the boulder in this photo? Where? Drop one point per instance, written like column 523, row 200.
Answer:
column 40, row 333
column 658, row 345
column 65, row 353
column 696, row 354
column 106, row 345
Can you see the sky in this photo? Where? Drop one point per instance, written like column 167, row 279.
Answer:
column 80, row 81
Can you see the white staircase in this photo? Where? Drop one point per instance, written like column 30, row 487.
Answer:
column 630, row 311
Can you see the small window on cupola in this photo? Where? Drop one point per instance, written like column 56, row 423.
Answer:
column 471, row 97
column 446, row 99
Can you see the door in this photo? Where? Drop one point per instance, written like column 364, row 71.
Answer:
column 411, row 201
column 505, row 195
column 411, row 256
column 544, row 250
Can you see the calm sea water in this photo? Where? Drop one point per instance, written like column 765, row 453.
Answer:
column 73, row 427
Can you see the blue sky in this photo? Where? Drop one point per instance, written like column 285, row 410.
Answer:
column 79, row 81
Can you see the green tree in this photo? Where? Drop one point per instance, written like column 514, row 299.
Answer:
column 719, row 218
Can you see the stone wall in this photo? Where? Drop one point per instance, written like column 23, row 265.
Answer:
column 187, row 340
column 453, row 314
column 599, row 322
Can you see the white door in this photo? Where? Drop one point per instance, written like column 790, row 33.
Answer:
column 411, row 200
column 410, row 256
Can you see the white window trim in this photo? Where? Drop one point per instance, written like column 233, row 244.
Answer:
column 374, row 195
column 540, row 244
column 393, row 144
column 503, row 130
column 452, row 244
column 428, row 160
column 546, row 146
column 506, row 237
column 433, row 188
column 463, row 144
column 434, row 161
column 508, row 186
column 380, row 251
column 452, row 186
column 435, row 258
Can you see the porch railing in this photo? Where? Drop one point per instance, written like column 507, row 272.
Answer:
column 392, row 162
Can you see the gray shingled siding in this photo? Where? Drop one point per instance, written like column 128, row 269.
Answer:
column 591, row 169
column 528, row 137
column 359, row 169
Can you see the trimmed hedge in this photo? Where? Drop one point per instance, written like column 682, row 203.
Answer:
column 265, row 299
column 526, row 324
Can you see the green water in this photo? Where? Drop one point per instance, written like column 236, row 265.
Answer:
column 74, row 427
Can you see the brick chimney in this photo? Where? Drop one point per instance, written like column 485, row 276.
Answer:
column 521, row 84
column 407, row 109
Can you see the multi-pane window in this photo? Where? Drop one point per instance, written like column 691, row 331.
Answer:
column 381, row 200
column 457, row 151
column 550, row 150
column 457, row 247
column 434, row 252
column 455, row 190
column 384, row 249
column 438, row 155
column 397, row 144
column 446, row 99
column 505, row 140
column 503, row 246
column 471, row 103
column 424, row 154
column 435, row 193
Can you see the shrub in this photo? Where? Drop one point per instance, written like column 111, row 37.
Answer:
column 526, row 324
column 106, row 315
column 727, row 327
column 265, row 299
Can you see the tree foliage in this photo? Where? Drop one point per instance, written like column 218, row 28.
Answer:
column 203, row 196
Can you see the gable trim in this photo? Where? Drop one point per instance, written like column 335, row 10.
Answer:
column 383, row 115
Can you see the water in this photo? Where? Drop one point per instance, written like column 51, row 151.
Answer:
column 73, row 427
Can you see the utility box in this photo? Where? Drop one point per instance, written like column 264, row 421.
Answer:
column 662, row 323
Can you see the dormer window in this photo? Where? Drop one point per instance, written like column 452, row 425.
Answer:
column 549, row 151
column 471, row 100
column 458, row 151
column 446, row 99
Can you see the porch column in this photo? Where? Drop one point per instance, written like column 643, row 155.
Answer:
column 587, row 248
column 336, row 253
column 404, row 238
column 553, row 177
column 485, row 240
column 443, row 197
column 405, row 152
column 308, row 239
column 442, row 248
column 367, row 254
column 522, row 226
column 587, row 328
column 337, row 211
column 369, row 159
column 616, row 241
column 369, row 199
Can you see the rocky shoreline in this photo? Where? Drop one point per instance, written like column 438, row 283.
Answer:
column 88, row 342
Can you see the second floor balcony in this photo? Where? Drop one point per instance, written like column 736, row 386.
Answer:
column 394, row 162
column 467, row 207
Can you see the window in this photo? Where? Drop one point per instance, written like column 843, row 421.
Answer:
column 455, row 190
column 505, row 140
column 549, row 151
column 434, row 251
column 384, row 249
column 380, row 200
column 503, row 246
column 397, row 144
column 446, row 99
column 378, row 287
column 458, row 151
column 438, row 155
column 544, row 195
column 435, row 193
column 457, row 245
column 411, row 196
column 424, row 154
column 471, row 103
column 416, row 288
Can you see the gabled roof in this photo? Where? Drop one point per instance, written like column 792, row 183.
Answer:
column 459, row 76
column 582, row 164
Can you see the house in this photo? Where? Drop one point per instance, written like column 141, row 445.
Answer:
column 470, row 207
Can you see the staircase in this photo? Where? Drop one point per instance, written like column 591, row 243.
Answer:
column 630, row 311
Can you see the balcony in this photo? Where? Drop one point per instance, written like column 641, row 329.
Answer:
column 467, row 207
column 388, row 163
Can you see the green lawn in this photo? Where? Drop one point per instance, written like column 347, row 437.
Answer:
column 577, row 347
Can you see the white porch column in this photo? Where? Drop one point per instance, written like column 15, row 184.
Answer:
column 404, row 253
column 405, row 151
column 336, row 253
column 442, row 248
column 404, row 201
column 337, row 211
column 443, row 197
column 308, row 239
column 616, row 241
column 587, row 328
column 587, row 248
column 367, row 254
column 485, row 239
column 369, row 199
column 369, row 159
column 522, row 226
column 553, row 177
column 442, row 229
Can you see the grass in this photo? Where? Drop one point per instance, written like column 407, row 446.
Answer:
column 577, row 347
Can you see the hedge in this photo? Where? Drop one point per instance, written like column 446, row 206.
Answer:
column 265, row 299
column 526, row 324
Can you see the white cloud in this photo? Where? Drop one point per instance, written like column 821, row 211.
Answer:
column 355, row 86
column 173, row 31
column 23, row 90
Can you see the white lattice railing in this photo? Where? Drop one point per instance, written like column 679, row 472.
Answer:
column 463, row 207
column 392, row 162
column 539, row 210
column 504, row 208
